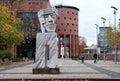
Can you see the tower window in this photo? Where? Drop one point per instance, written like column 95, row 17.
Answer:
column 58, row 29
column 58, row 18
column 67, row 23
column 29, row 3
column 41, row 3
column 67, row 11
column 64, row 17
column 70, row 18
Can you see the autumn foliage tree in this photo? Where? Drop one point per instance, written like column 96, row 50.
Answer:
column 9, row 27
column 82, row 44
column 111, row 35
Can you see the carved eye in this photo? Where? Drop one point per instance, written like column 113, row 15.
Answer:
column 45, row 16
column 52, row 15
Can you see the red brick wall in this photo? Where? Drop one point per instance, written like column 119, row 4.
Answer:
column 33, row 6
column 100, row 56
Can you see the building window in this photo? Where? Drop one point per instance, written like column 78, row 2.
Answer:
column 68, row 12
column 65, row 18
column 67, row 23
column 58, row 29
column 41, row 3
column 58, row 18
column 29, row 3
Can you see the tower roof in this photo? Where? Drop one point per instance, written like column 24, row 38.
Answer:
column 64, row 6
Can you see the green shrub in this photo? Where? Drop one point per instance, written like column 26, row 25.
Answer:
column 6, row 53
column 16, row 59
column 1, row 54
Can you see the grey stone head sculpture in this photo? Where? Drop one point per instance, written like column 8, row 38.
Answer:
column 47, row 19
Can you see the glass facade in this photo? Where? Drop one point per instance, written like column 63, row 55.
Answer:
column 30, row 27
column 103, row 42
column 31, row 24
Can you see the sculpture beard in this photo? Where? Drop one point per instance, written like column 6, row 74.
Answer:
column 49, row 27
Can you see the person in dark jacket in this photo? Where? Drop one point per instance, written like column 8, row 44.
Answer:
column 95, row 58
column 33, row 55
column 82, row 58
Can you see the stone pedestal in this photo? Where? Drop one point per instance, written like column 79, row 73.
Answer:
column 46, row 71
column 46, row 57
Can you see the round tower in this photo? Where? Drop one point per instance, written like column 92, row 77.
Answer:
column 67, row 30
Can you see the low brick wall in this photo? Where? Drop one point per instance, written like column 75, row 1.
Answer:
column 101, row 56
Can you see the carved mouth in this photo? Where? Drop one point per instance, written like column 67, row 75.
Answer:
column 50, row 25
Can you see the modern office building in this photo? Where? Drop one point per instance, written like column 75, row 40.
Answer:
column 28, row 12
column 102, row 40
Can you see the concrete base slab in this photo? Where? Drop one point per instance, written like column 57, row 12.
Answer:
column 46, row 71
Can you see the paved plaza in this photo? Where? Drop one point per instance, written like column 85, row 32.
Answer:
column 70, row 69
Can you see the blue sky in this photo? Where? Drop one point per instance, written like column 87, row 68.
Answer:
column 90, row 13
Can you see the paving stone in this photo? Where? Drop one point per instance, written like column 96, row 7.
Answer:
column 69, row 69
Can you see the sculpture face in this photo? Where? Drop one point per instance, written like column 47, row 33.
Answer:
column 47, row 20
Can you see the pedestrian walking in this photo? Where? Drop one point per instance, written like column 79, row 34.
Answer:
column 82, row 58
column 95, row 58
column 33, row 55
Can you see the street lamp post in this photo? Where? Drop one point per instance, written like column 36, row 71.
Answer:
column 115, row 44
column 96, row 38
column 104, row 38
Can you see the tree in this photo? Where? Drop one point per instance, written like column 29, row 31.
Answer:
column 111, row 34
column 118, row 36
column 9, row 28
column 82, row 44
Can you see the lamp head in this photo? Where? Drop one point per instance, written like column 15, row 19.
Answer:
column 103, row 18
column 96, row 25
column 114, row 8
